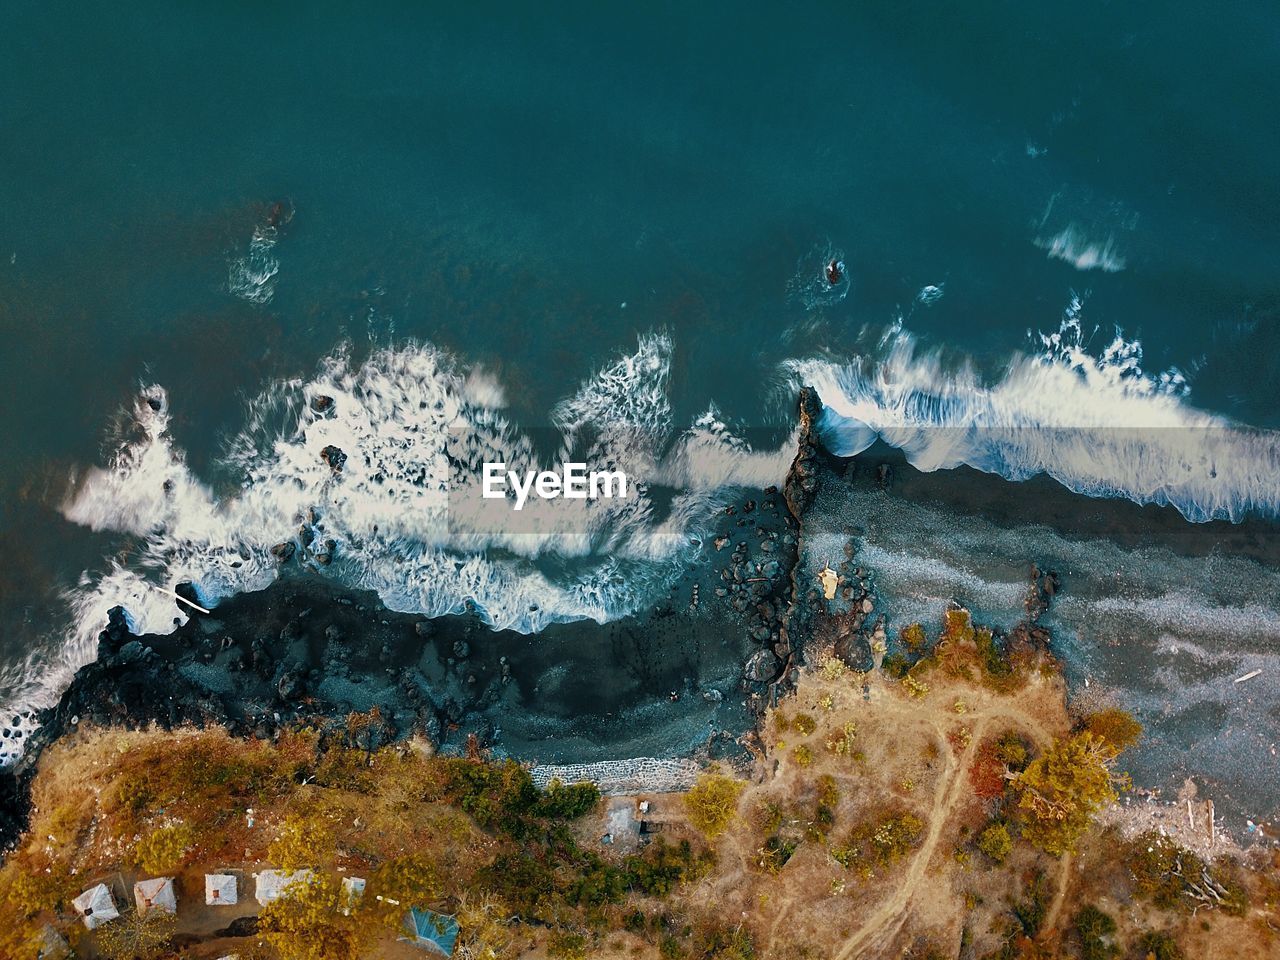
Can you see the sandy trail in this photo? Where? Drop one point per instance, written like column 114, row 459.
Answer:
column 882, row 924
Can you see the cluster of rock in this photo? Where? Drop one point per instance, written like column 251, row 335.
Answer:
column 647, row 774
column 311, row 543
column 760, row 581
column 755, row 581
column 263, row 661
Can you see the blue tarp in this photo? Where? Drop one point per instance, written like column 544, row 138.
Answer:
column 432, row 930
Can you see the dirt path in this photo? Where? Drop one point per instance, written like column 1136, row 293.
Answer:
column 886, row 921
column 1059, row 896
column 888, row 918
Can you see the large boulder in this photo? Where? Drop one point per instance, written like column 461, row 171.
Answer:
column 334, row 457
column 763, row 666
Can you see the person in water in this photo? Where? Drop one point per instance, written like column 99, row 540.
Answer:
column 835, row 271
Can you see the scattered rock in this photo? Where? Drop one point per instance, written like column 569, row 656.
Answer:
column 290, row 686
column 763, row 666
column 334, row 457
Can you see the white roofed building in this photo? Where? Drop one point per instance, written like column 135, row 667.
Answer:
column 272, row 884
column 220, row 889
column 155, row 894
column 96, row 906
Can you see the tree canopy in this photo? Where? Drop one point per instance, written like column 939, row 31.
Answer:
column 1060, row 791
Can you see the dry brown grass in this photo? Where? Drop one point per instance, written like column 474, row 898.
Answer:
column 855, row 837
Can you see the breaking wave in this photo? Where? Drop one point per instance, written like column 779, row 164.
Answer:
column 1099, row 425
column 415, row 425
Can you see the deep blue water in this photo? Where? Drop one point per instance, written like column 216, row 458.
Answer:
column 535, row 188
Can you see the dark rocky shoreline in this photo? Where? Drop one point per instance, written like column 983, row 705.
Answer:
column 692, row 672
column 686, row 677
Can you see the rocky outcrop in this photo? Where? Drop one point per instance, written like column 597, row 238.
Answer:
column 802, row 479
column 334, row 457
column 799, row 491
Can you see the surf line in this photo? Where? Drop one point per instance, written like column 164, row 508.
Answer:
column 572, row 482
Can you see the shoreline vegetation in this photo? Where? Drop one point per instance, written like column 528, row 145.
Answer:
column 947, row 805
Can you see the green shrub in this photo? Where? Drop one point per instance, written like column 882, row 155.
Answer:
column 1012, row 750
column 995, row 842
column 560, row 802
column 567, row 945
column 895, row 836
column 713, row 803
column 1160, row 945
column 1117, row 727
column 915, row 688
column 303, row 842
column 895, row 666
column 804, row 724
column 1030, row 912
column 775, row 853
column 1095, row 930
column 913, row 637
column 34, row 890
column 1162, row 870
column 137, row 936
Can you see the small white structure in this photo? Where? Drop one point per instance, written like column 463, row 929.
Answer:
column 271, row 884
column 220, row 889
column 155, row 894
column 352, row 893
column 96, row 906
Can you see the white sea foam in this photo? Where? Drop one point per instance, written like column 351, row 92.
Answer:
column 252, row 275
column 1073, row 246
column 1097, row 424
column 415, row 426
column 930, row 293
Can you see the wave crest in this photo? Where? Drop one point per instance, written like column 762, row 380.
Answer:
column 1100, row 426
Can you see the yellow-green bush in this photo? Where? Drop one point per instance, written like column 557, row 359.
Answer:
column 713, row 803
column 164, row 849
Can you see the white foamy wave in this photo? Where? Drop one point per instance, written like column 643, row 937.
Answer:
column 1097, row 424
column 1072, row 246
column 415, row 426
